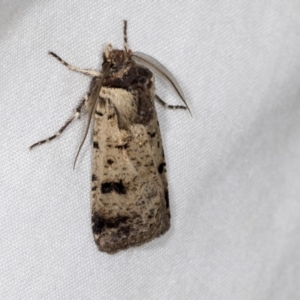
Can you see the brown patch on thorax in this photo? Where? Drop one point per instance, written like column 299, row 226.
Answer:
column 137, row 80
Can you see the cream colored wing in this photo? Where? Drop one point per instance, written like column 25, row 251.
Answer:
column 129, row 187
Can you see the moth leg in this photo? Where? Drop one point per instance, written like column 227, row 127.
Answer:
column 166, row 105
column 82, row 103
column 89, row 72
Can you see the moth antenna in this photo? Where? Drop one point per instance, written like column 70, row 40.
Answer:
column 125, row 36
column 94, row 94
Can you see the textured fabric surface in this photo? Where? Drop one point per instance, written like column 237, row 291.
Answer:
column 233, row 167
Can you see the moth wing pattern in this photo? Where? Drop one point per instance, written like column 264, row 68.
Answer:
column 130, row 203
column 129, row 190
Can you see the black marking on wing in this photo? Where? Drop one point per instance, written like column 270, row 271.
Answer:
column 109, row 187
column 99, row 113
column 161, row 167
column 151, row 134
column 100, row 224
column 125, row 146
column 167, row 198
column 110, row 161
column 111, row 116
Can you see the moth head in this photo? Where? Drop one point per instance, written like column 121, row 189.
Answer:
column 115, row 57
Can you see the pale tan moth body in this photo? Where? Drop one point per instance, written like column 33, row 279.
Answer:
column 129, row 192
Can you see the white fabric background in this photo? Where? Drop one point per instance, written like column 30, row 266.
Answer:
column 233, row 168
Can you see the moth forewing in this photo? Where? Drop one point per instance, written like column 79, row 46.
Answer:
column 129, row 205
column 129, row 191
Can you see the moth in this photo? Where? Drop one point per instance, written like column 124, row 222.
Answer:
column 129, row 190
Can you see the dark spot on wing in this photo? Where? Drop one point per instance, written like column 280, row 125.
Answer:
column 94, row 177
column 161, row 167
column 96, row 145
column 125, row 146
column 167, row 198
column 110, row 161
column 109, row 187
column 99, row 224
column 111, row 116
column 152, row 135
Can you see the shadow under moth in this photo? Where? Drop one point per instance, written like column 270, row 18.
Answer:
column 129, row 191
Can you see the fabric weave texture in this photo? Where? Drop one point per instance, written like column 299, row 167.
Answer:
column 233, row 166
